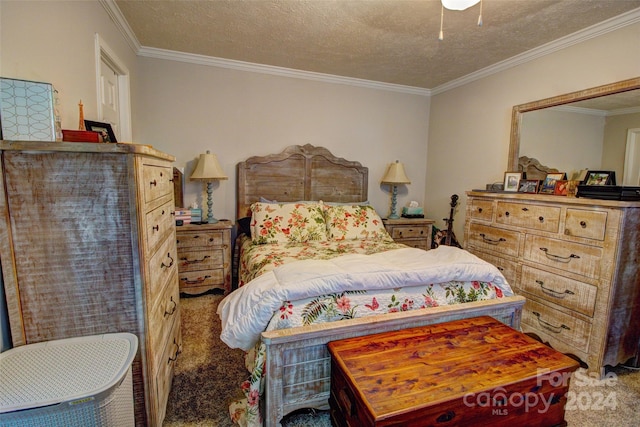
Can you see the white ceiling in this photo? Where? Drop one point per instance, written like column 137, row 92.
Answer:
column 388, row 41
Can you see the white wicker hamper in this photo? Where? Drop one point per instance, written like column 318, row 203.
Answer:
column 83, row 381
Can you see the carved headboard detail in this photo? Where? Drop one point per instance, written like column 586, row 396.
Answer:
column 533, row 168
column 300, row 173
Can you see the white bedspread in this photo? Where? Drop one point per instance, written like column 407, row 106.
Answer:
column 246, row 312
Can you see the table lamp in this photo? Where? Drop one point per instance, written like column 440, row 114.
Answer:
column 208, row 170
column 395, row 175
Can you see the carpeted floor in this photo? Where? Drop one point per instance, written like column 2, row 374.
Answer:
column 208, row 375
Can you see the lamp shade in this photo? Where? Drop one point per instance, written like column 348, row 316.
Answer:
column 395, row 174
column 208, row 168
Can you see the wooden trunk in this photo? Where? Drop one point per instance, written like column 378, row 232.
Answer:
column 474, row 371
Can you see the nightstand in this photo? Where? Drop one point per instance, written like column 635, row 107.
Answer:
column 414, row 232
column 204, row 257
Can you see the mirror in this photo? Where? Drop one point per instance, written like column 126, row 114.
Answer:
column 588, row 129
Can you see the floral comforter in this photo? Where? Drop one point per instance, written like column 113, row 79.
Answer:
column 405, row 279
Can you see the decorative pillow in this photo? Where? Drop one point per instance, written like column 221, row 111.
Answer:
column 354, row 222
column 287, row 223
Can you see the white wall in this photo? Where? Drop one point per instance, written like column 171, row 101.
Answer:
column 54, row 42
column 469, row 126
column 186, row 109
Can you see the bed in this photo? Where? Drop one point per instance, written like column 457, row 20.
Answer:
column 294, row 364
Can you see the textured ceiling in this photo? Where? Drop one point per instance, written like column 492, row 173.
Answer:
column 390, row 41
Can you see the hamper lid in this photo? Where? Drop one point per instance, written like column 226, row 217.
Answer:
column 52, row 372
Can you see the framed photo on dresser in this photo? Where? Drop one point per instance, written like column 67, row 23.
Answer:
column 511, row 180
column 529, row 186
column 549, row 184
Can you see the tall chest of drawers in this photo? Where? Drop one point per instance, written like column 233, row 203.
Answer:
column 87, row 245
column 574, row 259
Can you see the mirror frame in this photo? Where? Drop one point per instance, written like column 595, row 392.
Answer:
column 595, row 92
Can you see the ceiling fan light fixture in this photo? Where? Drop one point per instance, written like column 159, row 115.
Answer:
column 459, row 4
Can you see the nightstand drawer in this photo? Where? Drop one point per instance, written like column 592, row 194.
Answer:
column 409, row 232
column 202, row 238
column 211, row 278
column 415, row 243
column 200, row 259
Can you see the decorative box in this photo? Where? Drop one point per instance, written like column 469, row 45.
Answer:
column 80, row 136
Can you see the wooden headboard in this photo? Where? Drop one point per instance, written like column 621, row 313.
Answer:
column 300, row 172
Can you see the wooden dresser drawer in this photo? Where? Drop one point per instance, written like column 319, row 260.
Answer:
column 572, row 294
column 409, row 232
column 576, row 258
column 165, row 366
column 558, row 325
column 585, row 223
column 509, row 269
column 163, row 314
column 157, row 181
column 161, row 266
column 537, row 217
column 200, row 239
column 481, row 209
column 494, row 239
column 158, row 222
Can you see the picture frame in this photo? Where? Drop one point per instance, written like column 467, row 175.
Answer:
column 511, row 180
column 600, row 178
column 548, row 186
column 529, row 186
column 561, row 188
column 104, row 129
column 27, row 110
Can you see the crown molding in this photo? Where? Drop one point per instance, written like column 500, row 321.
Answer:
column 121, row 23
column 596, row 30
column 278, row 71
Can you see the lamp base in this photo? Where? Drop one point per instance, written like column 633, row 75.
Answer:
column 393, row 216
column 212, row 221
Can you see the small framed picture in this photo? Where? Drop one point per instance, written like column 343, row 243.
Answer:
column 105, row 130
column 549, row 184
column 528, row 186
column 561, row 188
column 511, row 180
column 600, row 178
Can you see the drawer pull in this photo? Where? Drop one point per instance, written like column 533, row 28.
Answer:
column 557, row 293
column 583, row 224
column 541, row 218
column 187, row 261
column 479, row 210
column 549, row 326
column 491, row 241
column 196, row 281
column 177, row 352
column 446, row 417
column 558, row 257
column 525, row 209
column 155, row 228
column 506, row 213
column 153, row 183
column 163, row 265
column 173, row 308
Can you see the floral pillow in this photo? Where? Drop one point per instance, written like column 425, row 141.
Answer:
column 354, row 222
column 287, row 223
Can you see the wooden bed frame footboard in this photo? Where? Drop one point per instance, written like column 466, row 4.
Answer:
column 298, row 368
